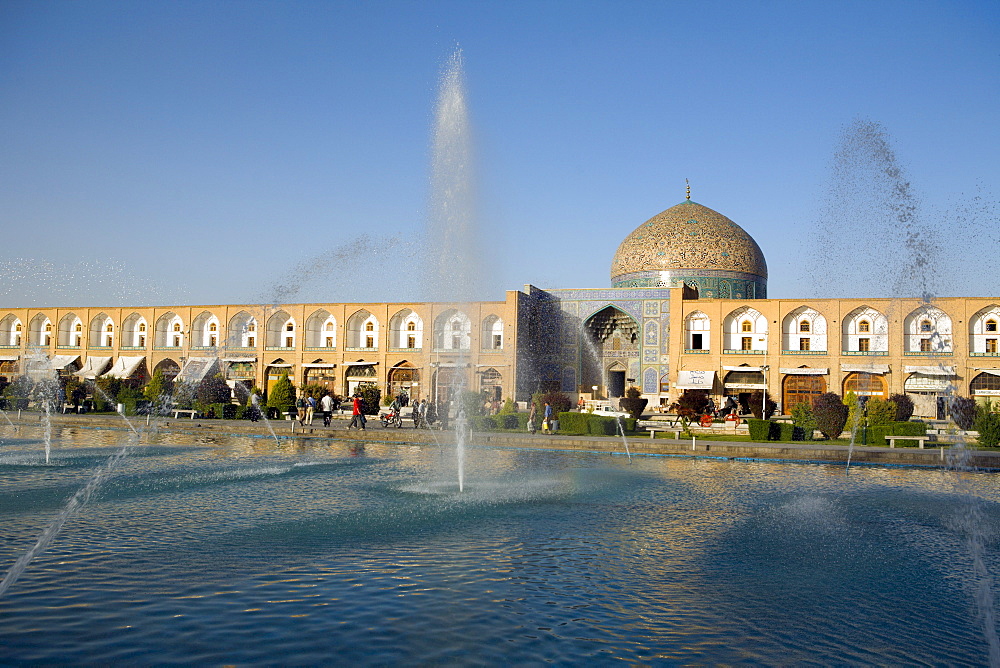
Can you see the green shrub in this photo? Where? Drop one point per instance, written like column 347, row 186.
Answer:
column 804, row 418
column 881, row 412
column 757, row 401
column 908, row 428
column 602, row 425
column 483, row 423
column 786, row 431
column 574, row 423
column 988, row 425
column 759, row 429
column 873, row 435
column 509, row 420
column 370, row 398
column 281, row 398
column 963, row 412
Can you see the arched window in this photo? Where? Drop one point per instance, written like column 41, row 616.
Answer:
column 864, row 326
column 142, row 327
column 804, row 326
column 746, row 326
column 369, row 326
column 177, row 326
column 991, row 325
column 925, row 325
column 78, row 328
column 213, row 327
column 411, row 326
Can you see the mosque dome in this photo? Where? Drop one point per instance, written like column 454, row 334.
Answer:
column 693, row 245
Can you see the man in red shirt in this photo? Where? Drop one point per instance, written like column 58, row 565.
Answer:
column 357, row 417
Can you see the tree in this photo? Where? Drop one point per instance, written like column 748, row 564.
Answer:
column 804, row 418
column 370, row 398
column 904, row 407
column 757, row 400
column 157, row 387
column 691, row 404
column 963, row 412
column 214, row 390
column 281, row 398
column 988, row 425
column 633, row 402
column 880, row 412
column 76, row 392
column 831, row 414
column 559, row 401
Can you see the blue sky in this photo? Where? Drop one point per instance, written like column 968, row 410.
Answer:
column 206, row 152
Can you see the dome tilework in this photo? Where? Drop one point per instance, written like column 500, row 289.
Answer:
column 687, row 239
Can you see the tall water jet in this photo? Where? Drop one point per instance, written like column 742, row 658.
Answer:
column 453, row 271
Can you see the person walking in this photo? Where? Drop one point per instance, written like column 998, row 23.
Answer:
column 300, row 407
column 310, row 408
column 357, row 417
column 326, row 406
column 547, row 419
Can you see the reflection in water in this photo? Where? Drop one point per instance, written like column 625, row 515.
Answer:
column 194, row 546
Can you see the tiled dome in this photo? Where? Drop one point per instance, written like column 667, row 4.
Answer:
column 688, row 241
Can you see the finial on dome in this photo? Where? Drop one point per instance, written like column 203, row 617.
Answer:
column 688, row 183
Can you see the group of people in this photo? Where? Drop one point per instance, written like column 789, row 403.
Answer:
column 548, row 422
column 306, row 405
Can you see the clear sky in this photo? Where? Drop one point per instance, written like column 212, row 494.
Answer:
column 198, row 152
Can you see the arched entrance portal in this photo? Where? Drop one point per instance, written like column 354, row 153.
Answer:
column 610, row 346
column 357, row 374
column 801, row 389
column 865, row 384
column 491, row 385
column 404, row 377
column 448, row 382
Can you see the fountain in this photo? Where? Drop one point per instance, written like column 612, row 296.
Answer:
column 219, row 549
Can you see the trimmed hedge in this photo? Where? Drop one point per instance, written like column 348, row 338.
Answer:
column 574, row 423
column 602, row 425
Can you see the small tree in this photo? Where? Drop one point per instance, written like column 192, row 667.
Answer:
column 370, row 398
column 281, row 398
column 559, row 401
column 633, row 402
column 987, row 423
column 757, row 402
column 691, row 404
column 509, row 407
column 804, row 418
column 963, row 412
column 214, row 390
column 880, row 412
column 157, row 387
column 831, row 414
column 904, row 407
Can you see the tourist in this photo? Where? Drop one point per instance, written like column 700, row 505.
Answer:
column 532, row 414
column 300, row 406
column 310, row 408
column 580, row 404
column 357, row 417
column 547, row 419
column 326, row 406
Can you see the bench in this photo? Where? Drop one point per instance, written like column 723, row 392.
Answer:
column 676, row 431
column 186, row 411
column 920, row 439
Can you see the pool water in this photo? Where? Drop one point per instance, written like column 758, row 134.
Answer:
column 235, row 550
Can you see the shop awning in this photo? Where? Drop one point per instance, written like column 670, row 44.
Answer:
column 947, row 371
column 9, row 358
column 921, row 383
column 239, row 359
column 742, row 368
column 94, row 367
column 125, row 366
column 60, row 362
column 805, row 372
column 995, row 372
column 878, row 369
column 280, row 365
column 196, row 369
column 318, row 365
column 695, row 380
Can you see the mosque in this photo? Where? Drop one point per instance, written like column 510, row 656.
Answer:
column 687, row 310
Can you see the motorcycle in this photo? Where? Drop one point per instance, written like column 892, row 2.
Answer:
column 391, row 418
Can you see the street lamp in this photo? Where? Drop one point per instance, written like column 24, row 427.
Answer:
column 763, row 399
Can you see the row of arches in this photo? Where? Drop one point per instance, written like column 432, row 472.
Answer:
column 927, row 329
column 453, row 330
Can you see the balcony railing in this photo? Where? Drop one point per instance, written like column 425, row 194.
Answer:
column 67, row 347
column 405, row 350
column 92, row 347
column 996, row 354
column 321, row 349
column 242, row 349
column 131, row 347
column 696, row 351
column 866, row 353
column 283, row 349
column 922, row 353
column 15, row 347
column 803, row 352
column 361, row 350
column 729, row 351
column 203, row 347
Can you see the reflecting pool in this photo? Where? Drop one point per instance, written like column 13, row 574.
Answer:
column 233, row 550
